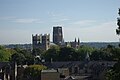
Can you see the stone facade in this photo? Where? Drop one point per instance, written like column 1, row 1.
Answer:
column 41, row 41
column 57, row 35
column 50, row 75
column 75, row 44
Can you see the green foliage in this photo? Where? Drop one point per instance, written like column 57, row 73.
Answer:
column 70, row 54
column 83, row 50
column 33, row 72
column 29, row 58
column 67, row 54
column 114, row 73
column 61, row 54
column 101, row 55
column 110, row 75
column 52, row 53
column 118, row 23
column 54, row 47
column 22, row 56
column 96, row 55
column 18, row 57
column 5, row 54
column 116, row 53
column 37, row 51
column 119, row 11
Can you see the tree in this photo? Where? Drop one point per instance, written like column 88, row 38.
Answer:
column 114, row 73
column 105, row 54
column 108, row 52
column 118, row 23
column 18, row 57
column 33, row 72
column 96, row 55
column 52, row 53
column 83, row 50
column 22, row 56
column 67, row 54
column 37, row 51
column 116, row 54
column 5, row 54
column 29, row 58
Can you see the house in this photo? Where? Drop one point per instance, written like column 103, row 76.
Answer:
column 90, row 70
column 50, row 75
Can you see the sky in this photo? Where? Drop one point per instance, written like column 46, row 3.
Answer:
column 88, row 20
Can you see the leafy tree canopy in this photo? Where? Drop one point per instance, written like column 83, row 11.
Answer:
column 18, row 57
column 52, row 53
column 33, row 72
column 22, row 56
column 5, row 54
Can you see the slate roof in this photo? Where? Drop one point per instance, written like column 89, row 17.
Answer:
column 63, row 64
column 80, row 64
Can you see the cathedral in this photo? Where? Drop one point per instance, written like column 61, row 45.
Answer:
column 43, row 40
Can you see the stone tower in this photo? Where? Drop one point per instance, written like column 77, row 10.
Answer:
column 57, row 35
column 75, row 44
column 46, row 41
column 36, row 41
column 41, row 41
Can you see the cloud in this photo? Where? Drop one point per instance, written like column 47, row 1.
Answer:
column 57, row 17
column 84, row 23
column 7, row 18
column 21, row 20
column 61, row 20
column 27, row 21
column 102, row 31
column 54, row 14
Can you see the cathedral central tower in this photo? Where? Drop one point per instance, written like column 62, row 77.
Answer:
column 57, row 35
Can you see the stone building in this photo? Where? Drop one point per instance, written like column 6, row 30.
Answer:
column 46, row 41
column 75, row 44
column 82, row 70
column 58, row 39
column 64, row 72
column 57, row 35
column 50, row 75
column 41, row 41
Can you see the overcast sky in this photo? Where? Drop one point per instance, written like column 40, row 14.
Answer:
column 90, row 20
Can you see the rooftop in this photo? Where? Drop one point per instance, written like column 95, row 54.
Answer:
column 51, row 70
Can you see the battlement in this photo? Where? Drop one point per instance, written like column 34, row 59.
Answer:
column 33, row 35
column 41, row 41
